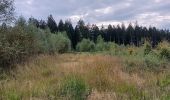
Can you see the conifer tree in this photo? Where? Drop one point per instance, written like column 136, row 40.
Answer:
column 61, row 26
column 52, row 24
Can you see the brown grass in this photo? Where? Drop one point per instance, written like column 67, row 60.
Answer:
column 35, row 79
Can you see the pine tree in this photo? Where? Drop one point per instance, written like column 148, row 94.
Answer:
column 52, row 24
column 21, row 21
column 77, row 36
column 43, row 24
column 70, row 32
column 109, row 33
column 61, row 26
column 130, row 34
column 95, row 32
column 33, row 21
column 84, row 31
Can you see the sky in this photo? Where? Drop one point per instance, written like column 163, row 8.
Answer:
column 145, row 12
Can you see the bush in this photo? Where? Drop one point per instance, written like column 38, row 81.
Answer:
column 73, row 88
column 63, row 43
column 103, row 46
column 153, row 63
column 22, row 41
column 59, row 43
column 15, row 46
column 147, row 48
column 165, row 53
column 164, row 50
column 85, row 46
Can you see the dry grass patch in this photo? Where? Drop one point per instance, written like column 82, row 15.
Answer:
column 42, row 77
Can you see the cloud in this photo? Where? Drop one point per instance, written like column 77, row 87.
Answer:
column 29, row 2
column 146, row 12
column 105, row 10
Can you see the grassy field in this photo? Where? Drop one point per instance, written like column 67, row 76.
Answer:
column 84, row 76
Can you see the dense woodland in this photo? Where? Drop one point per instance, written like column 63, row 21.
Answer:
column 130, row 35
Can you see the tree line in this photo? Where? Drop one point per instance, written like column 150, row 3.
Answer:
column 120, row 34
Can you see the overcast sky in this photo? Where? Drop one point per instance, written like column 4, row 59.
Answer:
column 146, row 12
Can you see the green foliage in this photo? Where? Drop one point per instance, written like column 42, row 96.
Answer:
column 101, row 45
column 151, row 60
column 88, row 46
column 22, row 41
column 9, row 95
column 165, row 53
column 73, row 88
column 52, row 24
column 131, row 92
column 164, row 82
column 15, row 46
column 154, row 63
column 147, row 48
column 100, row 39
column 59, row 43
column 6, row 10
column 85, row 46
column 21, row 21
column 164, row 50
column 13, row 96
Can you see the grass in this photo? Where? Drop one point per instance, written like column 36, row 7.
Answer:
column 86, row 76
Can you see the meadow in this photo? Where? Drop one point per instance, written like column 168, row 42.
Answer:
column 41, row 59
column 118, row 74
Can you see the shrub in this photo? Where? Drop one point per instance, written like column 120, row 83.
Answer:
column 131, row 51
column 85, row 46
column 73, row 88
column 103, row 46
column 153, row 63
column 15, row 46
column 165, row 53
column 150, row 63
column 63, row 43
column 147, row 48
column 164, row 50
column 22, row 41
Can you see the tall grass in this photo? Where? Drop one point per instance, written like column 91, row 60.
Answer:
column 82, row 76
column 121, row 72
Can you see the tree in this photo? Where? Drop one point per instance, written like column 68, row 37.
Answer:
column 77, row 36
column 70, row 32
column 94, row 33
column 6, row 11
column 52, row 24
column 83, row 30
column 129, row 34
column 85, row 46
column 100, row 45
column 109, row 33
column 123, row 32
column 21, row 21
column 137, row 33
column 103, row 32
column 33, row 21
column 61, row 26
column 42, row 24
